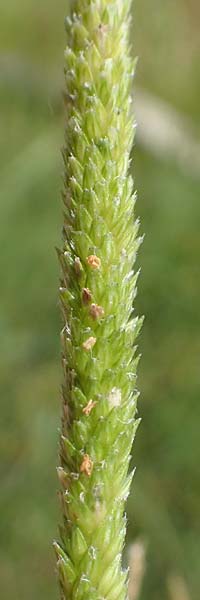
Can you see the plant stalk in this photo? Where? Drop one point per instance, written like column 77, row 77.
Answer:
column 98, row 286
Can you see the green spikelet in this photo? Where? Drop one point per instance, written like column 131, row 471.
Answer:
column 98, row 286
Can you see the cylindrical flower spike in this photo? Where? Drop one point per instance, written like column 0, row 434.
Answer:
column 97, row 289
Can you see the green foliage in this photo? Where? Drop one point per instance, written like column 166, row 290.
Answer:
column 98, row 286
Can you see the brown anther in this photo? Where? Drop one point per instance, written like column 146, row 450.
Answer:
column 96, row 311
column 86, row 465
column 86, row 295
column 94, row 261
column 78, row 266
column 89, row 343
column 87, row 409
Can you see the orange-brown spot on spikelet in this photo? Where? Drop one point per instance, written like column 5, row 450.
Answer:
column 89, row 343
column 86, row 295
column 87, row 409
column 86, row 465
column 94, row 261
column 96, row 311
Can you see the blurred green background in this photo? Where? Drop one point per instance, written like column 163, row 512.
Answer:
column 163, row 508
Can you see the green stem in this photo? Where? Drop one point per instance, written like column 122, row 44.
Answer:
column 98, row 286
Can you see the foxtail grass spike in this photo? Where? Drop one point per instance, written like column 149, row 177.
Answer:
column 98, row 286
